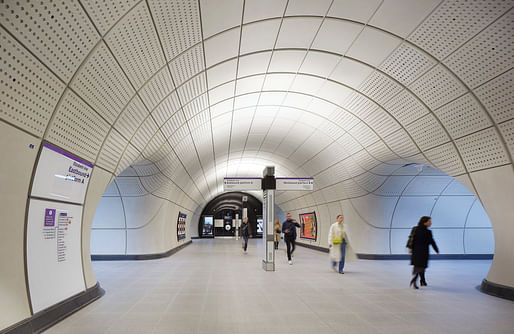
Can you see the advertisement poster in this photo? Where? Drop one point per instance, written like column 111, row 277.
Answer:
column 54, row 258
column 308, row 226
column 181, row 226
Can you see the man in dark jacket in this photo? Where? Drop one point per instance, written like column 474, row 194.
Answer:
column 289, row 230
column 245, row 232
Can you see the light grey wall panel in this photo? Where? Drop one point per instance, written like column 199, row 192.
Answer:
column 479, row 241
column 410, row 209
column 451, row 211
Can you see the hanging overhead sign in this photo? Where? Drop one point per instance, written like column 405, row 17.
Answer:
column 241, row 183
column 291, row 183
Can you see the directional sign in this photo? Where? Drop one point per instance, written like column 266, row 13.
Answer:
column 241, row 183
column 291, row 183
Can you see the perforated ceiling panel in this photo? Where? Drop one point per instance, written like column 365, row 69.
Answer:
column 330, row 97
column 103, row 84
column 135, row 44
column 59, row 33
column 78, row 128
column 29, row 90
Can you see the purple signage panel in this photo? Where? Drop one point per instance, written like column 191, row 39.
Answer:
column 50, row 217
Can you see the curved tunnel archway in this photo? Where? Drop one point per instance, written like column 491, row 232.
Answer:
column 320, row 89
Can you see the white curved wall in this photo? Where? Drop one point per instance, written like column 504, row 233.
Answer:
column 380, row 222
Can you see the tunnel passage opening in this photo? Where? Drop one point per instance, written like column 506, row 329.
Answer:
column 223, row 214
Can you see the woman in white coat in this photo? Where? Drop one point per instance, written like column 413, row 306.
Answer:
column 339, row 245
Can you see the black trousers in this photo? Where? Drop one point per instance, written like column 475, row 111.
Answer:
column 290, row 242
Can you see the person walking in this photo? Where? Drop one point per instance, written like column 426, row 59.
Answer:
column 339, row 246
column 419, row 240
column 245, row 233
column 276, row 235
column 289, row 230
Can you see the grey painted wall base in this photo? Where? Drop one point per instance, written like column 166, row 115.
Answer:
column 52, row 315
column 122, row 257
column 497, row 290
column 407, row 256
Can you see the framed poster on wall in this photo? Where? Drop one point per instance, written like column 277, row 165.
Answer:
column 308, row 226
column 181, row 226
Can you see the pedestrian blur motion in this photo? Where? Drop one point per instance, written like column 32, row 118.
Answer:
column 419, row 241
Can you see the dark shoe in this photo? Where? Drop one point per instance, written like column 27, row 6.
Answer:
column 341, row 272
column 413, row 282
column 423, row 283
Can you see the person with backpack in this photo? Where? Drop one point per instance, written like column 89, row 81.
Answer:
column 419, row 240
column 289, row 230
column 245, row 233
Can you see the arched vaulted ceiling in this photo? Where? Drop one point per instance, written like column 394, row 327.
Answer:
column 188, row 92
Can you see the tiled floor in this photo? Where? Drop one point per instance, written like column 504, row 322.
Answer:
column 212, row 287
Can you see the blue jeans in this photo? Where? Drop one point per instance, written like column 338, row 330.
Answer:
column 343, row 253
column 245, row 238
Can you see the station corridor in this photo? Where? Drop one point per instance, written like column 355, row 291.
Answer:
column 212, row 287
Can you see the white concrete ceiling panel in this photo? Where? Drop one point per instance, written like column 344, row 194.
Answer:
column 336, row 35
column 153, row 150
column 412, row 13
column 272, row 98
column 319, row 63
column 173, row 124
column 360, row 11
column 407, row 63
column 136, row 46
column 61, row 35
column 254, row 141
column 102, row 83
column 144, row 133
column 307, row 84
column 369, row 181
column 334, row 92
column 259, row 35
column 310, row 147
column 146, row 170
column 262, row 9
column 166, row 109
column 446, row 158
column 363, row 134
column 222, row 93
column 302, row 101
column 482, row 150
column 278, row 81
column 373, row 46
column 351, row 145
column 427, row 185
column 365, row 160
column 307, row 7
column 401, row 143
column 187, row 64
column 77, row 128
column 222, row 47
column 178, row 24
column 405, row 107
column 352, row 167
column 463, row 116
column 220, row 15
column 130, row 186
column 359, row 105
column 198, row 120
column 111, row 151
column 487, row 55
column 298, row 32
column 31, row 109
column 178, row 135
column 246, row 101
column 351, row 189
column 197, row 106
column 129, row 156
column 455, row 22
column 157, row 88
column 497, row 96
column 350, row 72
column 222, row 73
column 381, row 152
column 381, row 122
column 105, row 14
column 192, row 89
column 249, row 84
column 427, row 132
column 507, row 131
column 379, row 87
column 253, row 64
column 286, row 61
column 221, row 108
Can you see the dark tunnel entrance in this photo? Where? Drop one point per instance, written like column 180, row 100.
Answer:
column 221, row 216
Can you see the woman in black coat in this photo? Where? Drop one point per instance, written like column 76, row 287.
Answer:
column 421, row 239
